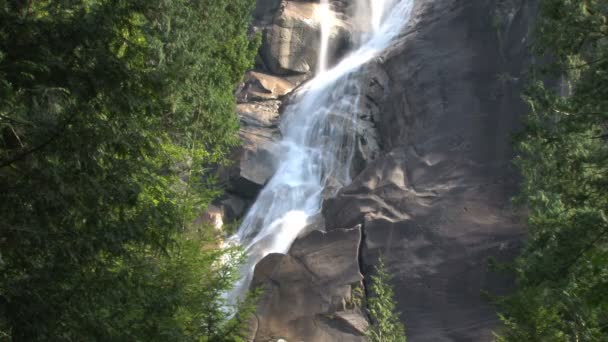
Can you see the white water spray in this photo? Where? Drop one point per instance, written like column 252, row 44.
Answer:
column 326, row 18
column 377, row 8
column 317, row 148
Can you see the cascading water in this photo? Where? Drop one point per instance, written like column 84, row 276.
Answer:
column 377, row 15
column 325, row 18
column 319, row 139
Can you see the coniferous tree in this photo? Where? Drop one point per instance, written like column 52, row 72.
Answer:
column 386, row 322
column 562, row 277
column 111, row 114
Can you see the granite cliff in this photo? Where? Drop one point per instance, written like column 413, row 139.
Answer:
column 432, row 179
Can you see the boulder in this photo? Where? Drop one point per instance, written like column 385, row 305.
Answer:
column 232, row 207
column 354, row 320
column 290, row 43
column 263, row 114
column 259, row 86
column 255, row 160
column 306, row 293
column 225, row 210
column 228, row 209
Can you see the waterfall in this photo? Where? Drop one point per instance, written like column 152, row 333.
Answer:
column 377, row 9
column 325, row 17
column 318, row 144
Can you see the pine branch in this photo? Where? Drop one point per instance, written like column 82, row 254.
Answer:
column 47, row 142
column 13, row 120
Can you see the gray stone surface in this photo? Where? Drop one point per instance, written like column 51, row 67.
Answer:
column 306, row 293
column 287, row 58
column 434, row 177
column 259, row 86
column 265, row 10
column 290, row 37
column 437, row 204
column 254, row 162
column 373, row 89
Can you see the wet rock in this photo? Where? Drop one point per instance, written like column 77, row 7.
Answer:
column 373, row 83
column 433, row 178
column 290, row 42
column 307, row 290
column 289, row 53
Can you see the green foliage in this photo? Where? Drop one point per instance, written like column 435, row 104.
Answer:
column 386, row 324
column 563, row 156
column 357, row 294
column 111, row 113
column 231, row 228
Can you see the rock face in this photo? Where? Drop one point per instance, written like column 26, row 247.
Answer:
column 437, row 204
column 289, row 32
column 434, row 180
column 255, row 159
column 288, row 56
column 308, row 293
column 290, row 38
column 260, row 86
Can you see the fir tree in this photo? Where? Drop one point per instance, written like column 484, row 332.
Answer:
column 112, row 112
column 386, row 325
column 562, row 277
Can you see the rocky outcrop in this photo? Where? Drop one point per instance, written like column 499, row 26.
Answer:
column 288, row 56
column 308, row 294
column 255, row 160
column 260, row 97
column 433, row 177
column 372, row 90
column 291, row 37
column 437, row 204
column 259, row 86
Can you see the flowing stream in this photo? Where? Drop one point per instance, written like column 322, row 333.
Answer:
column 319, row 140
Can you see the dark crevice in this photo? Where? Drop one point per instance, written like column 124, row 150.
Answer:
column 361, row 270
column 372, row 100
